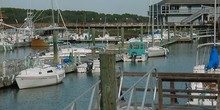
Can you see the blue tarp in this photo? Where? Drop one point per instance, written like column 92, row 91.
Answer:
column 213, row 60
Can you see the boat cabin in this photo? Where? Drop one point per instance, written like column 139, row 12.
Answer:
column 136, row 48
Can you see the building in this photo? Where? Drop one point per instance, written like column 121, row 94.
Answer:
column 197, row 12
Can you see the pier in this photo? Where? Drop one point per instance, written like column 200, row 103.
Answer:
column 152, row 87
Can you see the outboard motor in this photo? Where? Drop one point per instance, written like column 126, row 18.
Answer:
column 133, row 56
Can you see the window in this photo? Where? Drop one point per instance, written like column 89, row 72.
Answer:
column 50, row 71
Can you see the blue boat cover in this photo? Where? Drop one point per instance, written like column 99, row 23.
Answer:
column 213, row 60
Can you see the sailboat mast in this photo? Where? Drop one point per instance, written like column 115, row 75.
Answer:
column 152, row 24
column 55, row 34
column 215, row 23
column 52, row 13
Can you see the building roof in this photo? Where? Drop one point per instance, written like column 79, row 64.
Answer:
column 188, row 2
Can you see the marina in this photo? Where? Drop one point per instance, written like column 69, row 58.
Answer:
column 82, row 60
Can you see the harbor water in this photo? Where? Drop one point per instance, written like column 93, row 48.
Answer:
column 181, row 58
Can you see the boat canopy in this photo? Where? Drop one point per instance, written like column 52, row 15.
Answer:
column 137, row 48
column 213, row 60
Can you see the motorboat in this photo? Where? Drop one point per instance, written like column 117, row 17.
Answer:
column 39, row 74
column 157, row 51
column 136, row 52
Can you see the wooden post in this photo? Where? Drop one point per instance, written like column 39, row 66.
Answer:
column 218, row 98
column 174, row 31
column 93, row 37
column 122, row 37
column 108, row 81
column 55, row 47
column 160, row 94
column 191, row 30
column 168, row 32
column 172, row 100
column 142, row 33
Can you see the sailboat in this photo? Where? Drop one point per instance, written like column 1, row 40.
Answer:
column 155, row 51
column 207, row 63
column 40, row 74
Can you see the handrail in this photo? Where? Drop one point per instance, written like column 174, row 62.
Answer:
column 148, row 75
column 72, row 105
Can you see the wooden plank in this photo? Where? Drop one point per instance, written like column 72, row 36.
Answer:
column 178, row 90
column 189, row 96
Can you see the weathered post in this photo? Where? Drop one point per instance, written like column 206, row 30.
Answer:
column 191, row 30
column 55, row 47
column 142, row 33
column 168, row 32
column 93, row 42
column 93, row 37
column 122, row 37
column 218, row 98
column 174, row 31
column 108, row 81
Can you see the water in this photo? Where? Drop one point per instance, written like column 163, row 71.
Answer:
column 57, row 97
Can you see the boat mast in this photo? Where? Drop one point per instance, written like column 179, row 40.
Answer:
column 215, row 23
column 152, row 23
column 55, row 33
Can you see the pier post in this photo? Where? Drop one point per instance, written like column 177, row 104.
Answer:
column 122, row 37
column 93, row 42
column 55, row 48
column 174, row 31
column 108, row 81
column 191, row 30
column 142, row 33
column 218, row 96
column 168, row 32
column 4, row 68
column 93, row 37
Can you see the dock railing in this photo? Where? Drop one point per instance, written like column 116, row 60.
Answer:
column 132, row 91
column 93, row 102
column 173, row 93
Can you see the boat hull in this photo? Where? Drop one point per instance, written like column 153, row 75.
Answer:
column 157, row 51
column 39, row 43
column 31, row 81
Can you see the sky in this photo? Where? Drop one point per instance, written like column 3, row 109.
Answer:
column 138, row 7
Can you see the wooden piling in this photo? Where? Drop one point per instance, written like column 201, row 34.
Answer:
column 174, row 30
column 122, row 37
column 142, row 33
column 168, row 32
column 93, row 37
column 108, row 81
column 218, row 98
column 191, row 30
column 55, row 47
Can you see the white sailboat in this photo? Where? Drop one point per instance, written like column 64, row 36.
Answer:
column 40, row 74
column 155, row 51
column 206, row 64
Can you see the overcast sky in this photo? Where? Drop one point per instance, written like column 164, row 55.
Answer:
column 139, row 7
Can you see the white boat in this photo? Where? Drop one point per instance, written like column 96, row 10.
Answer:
column 136, row 52
column 96, row 66
column 208, row 62
column 157, row 51
column 40, row 74
column 205, row 65
column 93, row 67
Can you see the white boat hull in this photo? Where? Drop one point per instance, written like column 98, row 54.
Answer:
column 39, row 80
column 141, row 58
column 157, row 51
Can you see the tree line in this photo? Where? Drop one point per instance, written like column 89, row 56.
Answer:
column 17, row 15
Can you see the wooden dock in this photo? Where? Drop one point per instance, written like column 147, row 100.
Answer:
column 173, row 94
